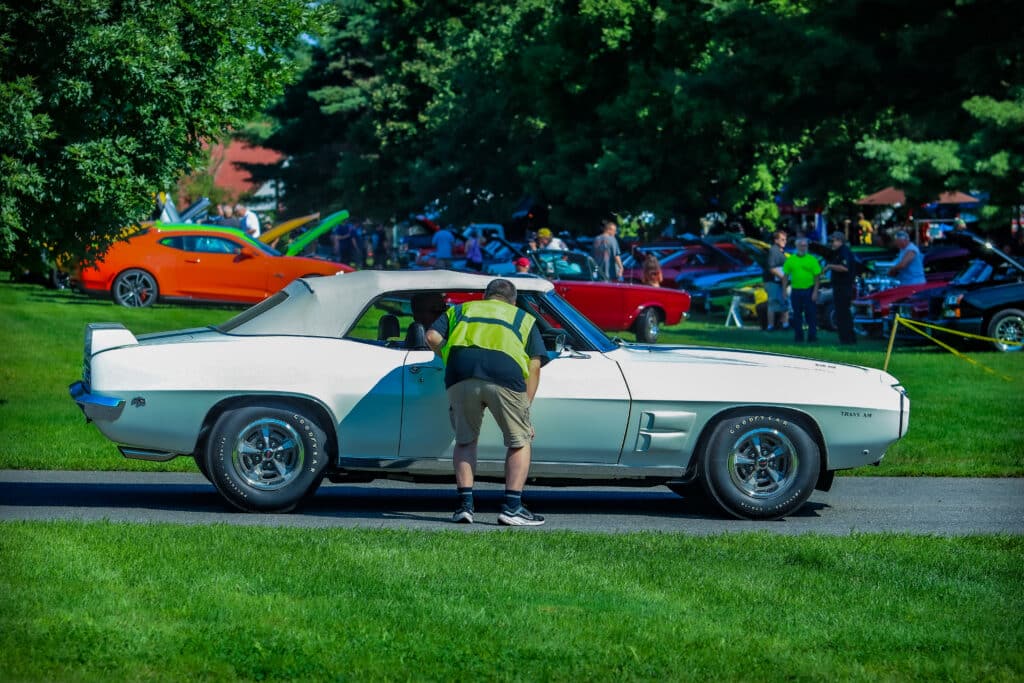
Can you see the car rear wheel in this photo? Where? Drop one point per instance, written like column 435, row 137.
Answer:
column 266, row 458
column 135, row 288
column 760, row 465
column 1008, row 326
column 647, row 326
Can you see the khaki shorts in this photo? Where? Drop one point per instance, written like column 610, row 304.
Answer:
column 510, row 409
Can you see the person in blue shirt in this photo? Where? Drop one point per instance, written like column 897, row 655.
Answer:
column 444, row 247
column 909, row 269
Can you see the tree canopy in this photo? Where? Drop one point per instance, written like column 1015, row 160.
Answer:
column 603, row 106
column 105, row 103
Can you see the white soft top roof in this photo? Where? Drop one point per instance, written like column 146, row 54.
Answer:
column 328, row 306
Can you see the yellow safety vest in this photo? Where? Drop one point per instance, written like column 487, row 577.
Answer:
column 490, row 324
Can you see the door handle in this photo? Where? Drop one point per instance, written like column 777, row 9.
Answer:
column 188, row 260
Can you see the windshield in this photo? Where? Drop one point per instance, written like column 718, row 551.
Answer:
column 554, row 312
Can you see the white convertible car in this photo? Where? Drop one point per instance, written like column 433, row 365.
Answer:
column 331, row 378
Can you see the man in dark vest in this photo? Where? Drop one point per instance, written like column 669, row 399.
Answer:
column 843, row 268
column 492, row 353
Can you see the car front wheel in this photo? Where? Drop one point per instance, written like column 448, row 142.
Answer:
column 266, row 458
column 647, row 325
column 760, row 465
column 1008, row 326
column 135, row 288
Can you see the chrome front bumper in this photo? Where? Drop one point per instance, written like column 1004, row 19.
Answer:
column 94, row 406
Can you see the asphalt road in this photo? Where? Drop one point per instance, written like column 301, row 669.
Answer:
column 939, row 506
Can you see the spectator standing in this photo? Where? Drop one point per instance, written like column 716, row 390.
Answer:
column 606, row 252
column 230, row 220
column 909, row 268
column 546, row 240
column 248, row 220
column 652, row 271
column 842, row 267
column 474, row 252
column 444, row 247
column 343, row 242
column 492, row 353
column 773, row 276
column 803, row 271
column 381, row 247
column 865, row 229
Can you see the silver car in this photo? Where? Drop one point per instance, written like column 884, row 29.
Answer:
column 331, row 378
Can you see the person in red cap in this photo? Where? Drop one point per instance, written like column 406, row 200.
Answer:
column 522, row 265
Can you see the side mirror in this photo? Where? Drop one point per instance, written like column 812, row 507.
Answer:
column 245, row 253
column 554, row 340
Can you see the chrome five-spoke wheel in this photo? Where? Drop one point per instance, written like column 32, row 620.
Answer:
column 268, row 454
column 760, row 465
column 266, row 458
column 763, row 463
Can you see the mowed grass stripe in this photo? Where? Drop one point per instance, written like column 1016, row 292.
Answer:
column 964, row 421
column 105, row 601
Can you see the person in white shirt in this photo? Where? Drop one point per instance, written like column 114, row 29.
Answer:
column 545, row 240
column 250, row 221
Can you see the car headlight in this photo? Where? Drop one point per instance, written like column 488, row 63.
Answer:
column 951, row 305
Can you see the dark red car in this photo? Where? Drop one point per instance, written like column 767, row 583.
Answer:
column 686, row 261
column 612, row 306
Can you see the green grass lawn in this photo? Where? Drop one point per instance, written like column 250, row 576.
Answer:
column 964, row 422
column 103, row 601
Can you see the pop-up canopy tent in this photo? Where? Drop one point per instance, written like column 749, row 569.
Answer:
column 890, row 196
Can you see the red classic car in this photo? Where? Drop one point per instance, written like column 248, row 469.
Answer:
column 612, row 306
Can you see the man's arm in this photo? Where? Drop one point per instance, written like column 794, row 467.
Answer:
column 434, row 340
column 533, row 379
column 903, row 263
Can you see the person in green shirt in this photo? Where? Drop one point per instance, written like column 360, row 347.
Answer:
column 802, row 272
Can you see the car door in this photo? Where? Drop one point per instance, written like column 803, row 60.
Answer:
column 579, row 414
column 217, row 267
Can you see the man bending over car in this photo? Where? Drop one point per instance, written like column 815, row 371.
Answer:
column 492, row 352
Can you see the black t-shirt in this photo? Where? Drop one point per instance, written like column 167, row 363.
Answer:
column 465, row 362
column 843, row 256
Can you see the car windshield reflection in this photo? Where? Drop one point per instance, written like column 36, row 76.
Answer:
column 554, row 311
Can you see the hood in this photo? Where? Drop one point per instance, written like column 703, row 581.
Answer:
column 901, row 292
column 717, row 375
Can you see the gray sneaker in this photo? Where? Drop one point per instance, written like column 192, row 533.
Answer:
column 520, row 517
column 463, row 515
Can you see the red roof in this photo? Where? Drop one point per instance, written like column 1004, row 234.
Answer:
column 228, row 175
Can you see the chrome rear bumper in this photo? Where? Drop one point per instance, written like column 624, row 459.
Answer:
column 94, row 406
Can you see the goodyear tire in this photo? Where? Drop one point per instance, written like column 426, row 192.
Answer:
column 647, row 326
column 201, row 464
column 266, row 458
column 1007, row 325
column 760, row 465
column 135, row 288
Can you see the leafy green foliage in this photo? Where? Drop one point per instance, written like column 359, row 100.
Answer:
column 106, row 103
column 621, row 106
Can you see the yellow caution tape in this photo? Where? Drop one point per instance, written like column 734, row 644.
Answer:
column 916, row 325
